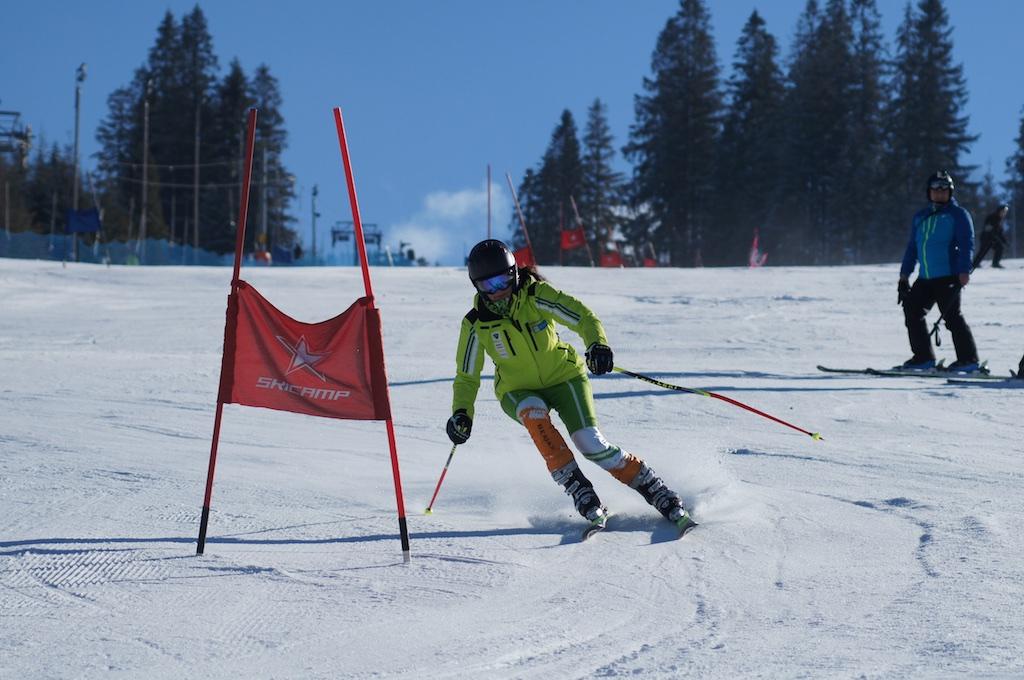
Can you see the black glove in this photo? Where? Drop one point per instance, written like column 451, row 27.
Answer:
column 902, row 291
column 459, row 427
column 600, row 359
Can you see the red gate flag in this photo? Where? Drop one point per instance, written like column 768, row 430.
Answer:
column 757, row 258
column 573, row 238
column 611, row 259
column 524, row 257
column 333, row 369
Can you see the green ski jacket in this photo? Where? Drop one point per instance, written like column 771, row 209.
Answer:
column 523, row 344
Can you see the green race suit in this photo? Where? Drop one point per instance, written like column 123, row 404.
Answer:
column 523, row 344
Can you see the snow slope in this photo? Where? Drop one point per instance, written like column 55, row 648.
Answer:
column 891, row 549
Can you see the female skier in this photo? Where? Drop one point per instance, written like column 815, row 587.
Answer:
column 513, row 321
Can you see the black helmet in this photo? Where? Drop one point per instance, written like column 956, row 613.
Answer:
column 940, row 180
column 491, row 258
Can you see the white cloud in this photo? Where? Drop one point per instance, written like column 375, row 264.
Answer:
column 450, row 223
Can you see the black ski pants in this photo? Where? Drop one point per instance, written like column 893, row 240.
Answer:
column 989, row 242
column 945, row 291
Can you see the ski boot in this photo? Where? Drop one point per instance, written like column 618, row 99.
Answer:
column 916, row 364
column 661, row 498
column 965, row 367
column 579, row 488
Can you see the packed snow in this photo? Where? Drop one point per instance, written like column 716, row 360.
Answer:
column 892, row 548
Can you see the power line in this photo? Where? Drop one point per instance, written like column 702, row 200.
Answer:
column 172, row 166
column 189, row 185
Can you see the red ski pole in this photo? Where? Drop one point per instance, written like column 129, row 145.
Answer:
column 705, row 393
column 430, row 508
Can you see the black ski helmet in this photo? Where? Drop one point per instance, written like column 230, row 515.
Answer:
column 940, row 180
column 490, row 258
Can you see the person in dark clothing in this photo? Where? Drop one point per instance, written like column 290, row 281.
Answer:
column 942, row 241
column 993, row 236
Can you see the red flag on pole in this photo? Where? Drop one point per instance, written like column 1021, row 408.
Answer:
column 573, row 238
column 331, row 369
column 524, row 257
column 757, row 258
column 611, row 259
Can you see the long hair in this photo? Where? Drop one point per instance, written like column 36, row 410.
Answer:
column 530, row 271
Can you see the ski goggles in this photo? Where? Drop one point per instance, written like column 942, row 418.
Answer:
column 496, row 283
column 939, row 185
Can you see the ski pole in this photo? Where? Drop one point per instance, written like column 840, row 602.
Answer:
column 430, row 510
column 705, row 393
column 942, row 313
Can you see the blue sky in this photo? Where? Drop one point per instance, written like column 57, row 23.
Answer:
column 434, row 91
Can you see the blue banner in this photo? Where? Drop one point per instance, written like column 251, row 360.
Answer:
column 82, row 221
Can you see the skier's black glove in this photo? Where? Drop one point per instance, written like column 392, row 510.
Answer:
column 902, row 291
column 459, row 427
column 600, row 359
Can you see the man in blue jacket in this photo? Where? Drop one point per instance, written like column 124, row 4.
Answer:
column 942, row 242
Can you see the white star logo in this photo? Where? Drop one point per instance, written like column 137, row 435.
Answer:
column 302, row 357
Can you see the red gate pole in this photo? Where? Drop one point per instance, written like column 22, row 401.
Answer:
column 357, row 222
column 228, row 359
column 519, row 212
column 579, row 223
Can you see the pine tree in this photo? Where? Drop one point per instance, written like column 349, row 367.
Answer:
column 227, row 128
column 986, row 199
column 199, row 67
column 544, row 194
column 748, row 165
column 120, row 141
column 527, row 195
column 928, row 126
column 13, row 185
column 672, row 142
column 867, row 133
column 188, row 100
column 51, row 170
column 1014, row 185
column 818, row 138
column 600, row 192
column 271, row 142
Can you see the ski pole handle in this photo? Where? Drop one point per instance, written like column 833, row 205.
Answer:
column 430, row 508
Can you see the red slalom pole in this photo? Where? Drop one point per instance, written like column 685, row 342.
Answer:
column 357, row 221
column 813, row 435
column 430, row 507
column 519, row 212
column 228, row 360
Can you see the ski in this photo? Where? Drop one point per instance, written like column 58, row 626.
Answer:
column 686, row 525
column 828, row 369
column 1012, row 382
column 595, row 527
column 938, row 372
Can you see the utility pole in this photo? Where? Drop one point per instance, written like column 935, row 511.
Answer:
column 174, row 197
column 316, row 192
column 79, row 79
column 195, row 181
column 53, row 216
column 145, row 174
column 263, row 199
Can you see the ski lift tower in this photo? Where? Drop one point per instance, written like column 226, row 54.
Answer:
column 14, row 138
column 343, row 230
